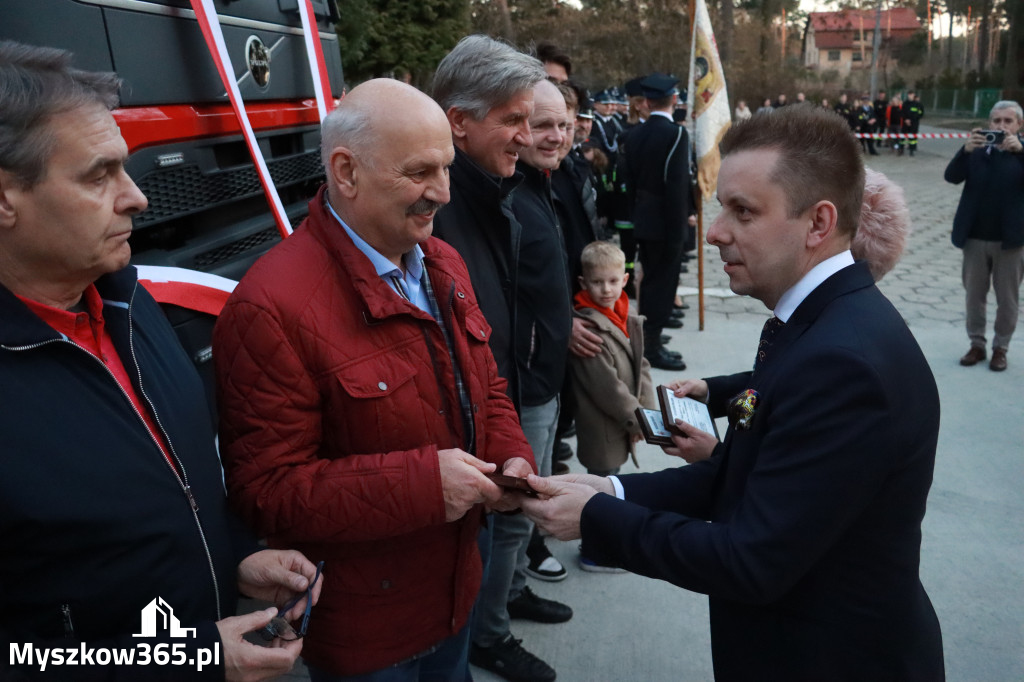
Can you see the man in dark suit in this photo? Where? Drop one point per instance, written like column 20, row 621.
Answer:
column 657, row 172
column 804, row 525
column 989, row 227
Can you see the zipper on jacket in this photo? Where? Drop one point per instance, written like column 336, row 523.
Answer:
column 69, row 626
column 182, row 478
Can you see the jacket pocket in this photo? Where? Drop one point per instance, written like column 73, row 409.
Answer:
column 477, row 327
column 376, row 400
column 377, row 377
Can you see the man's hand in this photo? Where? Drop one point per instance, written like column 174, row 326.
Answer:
column 1011, row 143
column 247, row 662
column 695, row 445
column 562, row 498
column 463, row 482
column 276, row 576
column 692, row 388
column 975, row 141
column 584, row 343
column 511, row 500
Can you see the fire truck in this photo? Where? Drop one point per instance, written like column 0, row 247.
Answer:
column 207, row 208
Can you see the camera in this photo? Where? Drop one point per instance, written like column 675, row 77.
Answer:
column 993, row 137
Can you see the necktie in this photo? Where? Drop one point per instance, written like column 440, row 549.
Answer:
column 768, row 332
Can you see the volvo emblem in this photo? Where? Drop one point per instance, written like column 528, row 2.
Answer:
column 257, row 57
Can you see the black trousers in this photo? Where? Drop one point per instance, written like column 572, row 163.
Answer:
column 661, row 260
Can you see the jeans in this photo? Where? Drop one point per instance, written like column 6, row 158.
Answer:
column 446, row 662
column 506, row 576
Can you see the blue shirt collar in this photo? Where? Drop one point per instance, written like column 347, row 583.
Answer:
column 413, row 260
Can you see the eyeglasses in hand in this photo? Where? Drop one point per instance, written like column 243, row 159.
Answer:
column 279, row 628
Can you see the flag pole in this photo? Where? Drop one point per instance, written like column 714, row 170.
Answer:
column 698, row 195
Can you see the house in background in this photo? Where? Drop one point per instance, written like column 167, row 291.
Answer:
column 841, row 41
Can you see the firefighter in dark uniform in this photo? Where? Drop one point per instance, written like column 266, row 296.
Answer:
column 866, row 120
column 913, row 112
column 606, row 128
column 622, row 210
column 658, row 186
column 880, row 104
column 621, row 106
column 844, row 109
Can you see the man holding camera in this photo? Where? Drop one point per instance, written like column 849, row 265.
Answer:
column 989, row 227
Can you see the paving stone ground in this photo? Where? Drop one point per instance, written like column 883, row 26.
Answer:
column 629, row 628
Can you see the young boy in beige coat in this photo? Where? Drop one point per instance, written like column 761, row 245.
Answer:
column 610, row 386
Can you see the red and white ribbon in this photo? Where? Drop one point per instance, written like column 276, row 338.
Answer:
column 210, row 25
column 186, row 288
column 919, row 136
column 317, row 64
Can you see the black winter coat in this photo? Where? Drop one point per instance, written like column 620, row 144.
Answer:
column 544, row 305
column 478, row 222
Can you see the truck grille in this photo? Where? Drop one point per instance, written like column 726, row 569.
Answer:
column 208, row 260
column 185, row 190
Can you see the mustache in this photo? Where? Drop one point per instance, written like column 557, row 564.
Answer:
column 423, row 207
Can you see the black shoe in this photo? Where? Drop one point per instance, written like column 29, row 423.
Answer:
column 542, row 565
column 558, row 469
column 673, row 323
column 683, row 269
column 665, row 338
column 507, row 658
column 678, row 313
column 529, row 606
column 570, row 431
column 663, row 359
column 684, row 306
column 563, row 451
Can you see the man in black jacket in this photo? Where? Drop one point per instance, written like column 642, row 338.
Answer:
column 657, row 186
column 803, row 526
column 113, row 501
column 544, row 303
column 486, row 88
column 989, row 227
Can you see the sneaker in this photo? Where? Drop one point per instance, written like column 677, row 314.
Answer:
column 529, row 606
column 542, row 565
column 508, row 659
column 592, row 566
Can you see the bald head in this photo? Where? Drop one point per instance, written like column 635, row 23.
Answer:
column 387, row 148
column 547, row 127
column 375, row 109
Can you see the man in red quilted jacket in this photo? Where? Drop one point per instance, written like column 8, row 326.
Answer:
column 360, row 404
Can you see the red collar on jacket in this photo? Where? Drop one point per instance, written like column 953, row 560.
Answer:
column 378, row 296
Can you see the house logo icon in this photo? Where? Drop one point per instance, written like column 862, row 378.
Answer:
column 158, row 616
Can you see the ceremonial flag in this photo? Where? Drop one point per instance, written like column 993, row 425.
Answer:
column 707, row 100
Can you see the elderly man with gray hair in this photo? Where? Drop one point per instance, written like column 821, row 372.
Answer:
column 361, row 409
column 486, row 89
column 989, row 227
